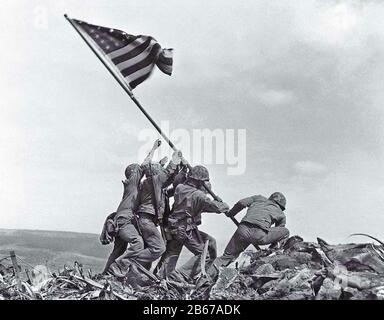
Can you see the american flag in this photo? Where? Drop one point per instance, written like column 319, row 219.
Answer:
column 133, row 56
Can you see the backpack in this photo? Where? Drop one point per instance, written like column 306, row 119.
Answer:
column 110, row 230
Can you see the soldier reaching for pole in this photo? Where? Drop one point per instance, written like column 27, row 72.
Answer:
column 120, row 226
column 169, row 259
column 255, row 228
column 189, row 203
column 150, row 209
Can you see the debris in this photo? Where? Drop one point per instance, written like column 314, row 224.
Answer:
column 329, row 290
column 368, row 259
column 301, row 257
column 291, row 241
column 282, row 289
column 15, row 268
column 342, row 253
column 369, row 236
column 40, row 276
column 283, row 261
column 348, row 293
column 265, row 269
column 379, row 292
column 261, row 280
column 244, row 260
column 299, row 271
column 225, row 279
column 301, row 279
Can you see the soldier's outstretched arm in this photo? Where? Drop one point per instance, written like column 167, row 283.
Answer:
column 175, row 161
column 235, row 209
column 240, row 205
column 166, row 177
column 205, row 204
column 149, row 157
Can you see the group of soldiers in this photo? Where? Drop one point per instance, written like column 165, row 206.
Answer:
column 145, row 228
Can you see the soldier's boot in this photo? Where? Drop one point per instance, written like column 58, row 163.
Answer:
column 278, row 244
column 203, row 282
column 136, row 278
column 203, row 288
column 166, row 267
column 209, row 279
column 177, row 277
column 115, row 270
column 120, row 267
column 273, row 246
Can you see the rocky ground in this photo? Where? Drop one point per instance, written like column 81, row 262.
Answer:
column 299, row 271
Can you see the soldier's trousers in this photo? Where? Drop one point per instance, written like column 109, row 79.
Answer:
column 153, row 247
column 127, row 234
column 245, row 235
column 193, row 242
column 169, row 259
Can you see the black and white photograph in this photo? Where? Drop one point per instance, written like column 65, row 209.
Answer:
column 211, row 152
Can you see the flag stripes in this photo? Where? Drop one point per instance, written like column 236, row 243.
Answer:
column 149, row 59
column 130, row 46
column 165, row 61
column 133, row 56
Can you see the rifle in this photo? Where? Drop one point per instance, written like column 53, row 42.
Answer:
column 155, row 204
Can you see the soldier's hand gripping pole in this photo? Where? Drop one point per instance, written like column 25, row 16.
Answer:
column 214, row 196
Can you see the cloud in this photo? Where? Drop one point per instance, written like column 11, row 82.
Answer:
column 310, row 167
column 331, row 24
column 276, row 97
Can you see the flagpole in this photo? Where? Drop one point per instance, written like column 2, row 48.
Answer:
column 126, row 88
column 123, row 84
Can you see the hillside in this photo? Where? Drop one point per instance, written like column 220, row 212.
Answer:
column 54, row 248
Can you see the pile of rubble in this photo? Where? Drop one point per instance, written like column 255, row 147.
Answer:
column 72, row 283
column 306, row 271
column 298, row 271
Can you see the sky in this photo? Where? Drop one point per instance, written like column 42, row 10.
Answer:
column 303, row 78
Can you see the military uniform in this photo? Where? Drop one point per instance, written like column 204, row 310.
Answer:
column 148, row 216
column 189, row 203
column 169, row 259
column 255, row 228
column 126, row 231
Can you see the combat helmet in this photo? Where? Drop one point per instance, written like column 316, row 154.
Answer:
column 134, row 167
column 279, row 198
column 199, row 173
